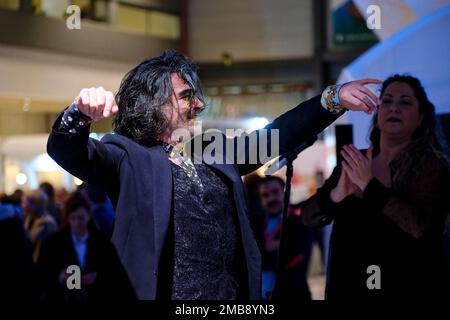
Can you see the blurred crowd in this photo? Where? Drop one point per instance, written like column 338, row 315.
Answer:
column 43, row 232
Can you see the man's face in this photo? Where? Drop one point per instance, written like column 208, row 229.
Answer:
column 185, row 104
column 271, row 195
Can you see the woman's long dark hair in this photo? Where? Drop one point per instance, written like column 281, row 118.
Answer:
column 146, row 91
column 427, row 140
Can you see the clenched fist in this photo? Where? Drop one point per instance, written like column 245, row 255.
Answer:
column 96, row 103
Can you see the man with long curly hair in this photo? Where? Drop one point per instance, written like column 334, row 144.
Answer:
column 181, row 228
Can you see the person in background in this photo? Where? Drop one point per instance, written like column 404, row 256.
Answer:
column 38, row 223
column 16, row 197
column 102, row 276
column 17, row 272
column 52, row 207
column 291, row 280
column 389, row 204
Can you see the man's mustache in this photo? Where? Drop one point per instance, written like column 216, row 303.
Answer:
column 193, row 113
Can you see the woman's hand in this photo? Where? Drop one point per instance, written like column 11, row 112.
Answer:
column 344, row 188
column 357, row 166
column 88, row 278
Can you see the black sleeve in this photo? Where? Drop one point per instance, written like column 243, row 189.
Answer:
column 72, row 119
column 90, row 160
column 294, row 128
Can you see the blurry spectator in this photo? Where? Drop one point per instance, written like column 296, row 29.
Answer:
column 16, row 267
column 389, row 204
column 39, row 224
column 255, row 212
column 80, row 244
column 52, row 207
column 251, row 183
column 61, row 197
column 292, row 284
column 101, row 210
column 17, row 196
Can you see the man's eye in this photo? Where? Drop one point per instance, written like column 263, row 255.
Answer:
column 189, row 98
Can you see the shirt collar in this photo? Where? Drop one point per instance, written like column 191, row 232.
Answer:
column 82, row 240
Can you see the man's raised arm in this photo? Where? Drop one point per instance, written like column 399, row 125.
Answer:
column 70, row 146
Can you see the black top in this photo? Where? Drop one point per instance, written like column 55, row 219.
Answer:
column 205, row 237
column 399, row 231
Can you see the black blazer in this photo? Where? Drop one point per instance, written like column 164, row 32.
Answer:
column 138, row 179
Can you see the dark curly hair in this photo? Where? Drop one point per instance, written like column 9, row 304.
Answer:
column 427, row 140
column 146, row 91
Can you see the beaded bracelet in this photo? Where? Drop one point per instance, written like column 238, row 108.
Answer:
column 330, row 99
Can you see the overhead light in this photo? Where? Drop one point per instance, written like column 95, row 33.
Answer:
column 21, row 178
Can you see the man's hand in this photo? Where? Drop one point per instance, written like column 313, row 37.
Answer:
column 357, row 97
column 96, row 103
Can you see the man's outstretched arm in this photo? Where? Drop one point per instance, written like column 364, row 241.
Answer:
column 307, row 119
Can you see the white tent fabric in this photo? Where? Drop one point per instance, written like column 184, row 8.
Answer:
column 422, row 50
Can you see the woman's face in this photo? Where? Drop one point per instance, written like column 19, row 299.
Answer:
column 399, row 111
column 79, row 220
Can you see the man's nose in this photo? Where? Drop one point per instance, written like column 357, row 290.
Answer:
column 199, row 104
